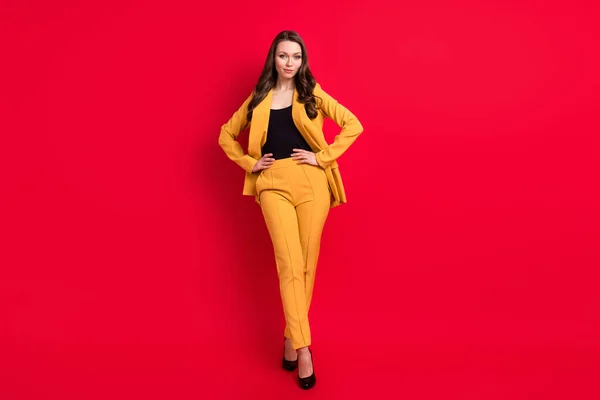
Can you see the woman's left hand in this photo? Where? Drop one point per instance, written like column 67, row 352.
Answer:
column 305, row 157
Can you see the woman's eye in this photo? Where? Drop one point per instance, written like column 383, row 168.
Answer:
column 282, row 55
column 298, row 57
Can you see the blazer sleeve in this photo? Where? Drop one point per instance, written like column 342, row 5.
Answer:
column 350, row 125
column 230, row 131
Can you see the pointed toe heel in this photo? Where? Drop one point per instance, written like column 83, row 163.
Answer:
column 309, row 381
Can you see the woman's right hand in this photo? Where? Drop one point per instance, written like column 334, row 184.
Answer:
column 265, row 162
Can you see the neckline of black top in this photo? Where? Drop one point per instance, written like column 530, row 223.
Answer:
column 279, row 109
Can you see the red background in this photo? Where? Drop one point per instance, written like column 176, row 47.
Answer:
column 464, row 266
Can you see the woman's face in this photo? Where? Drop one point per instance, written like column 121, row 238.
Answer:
column 288, row 59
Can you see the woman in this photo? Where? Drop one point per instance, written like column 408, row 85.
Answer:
column 293, row 174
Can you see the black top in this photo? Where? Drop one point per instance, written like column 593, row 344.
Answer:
column 282, row 135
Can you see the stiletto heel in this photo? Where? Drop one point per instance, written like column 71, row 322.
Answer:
column 287, row 364
column 309, row 381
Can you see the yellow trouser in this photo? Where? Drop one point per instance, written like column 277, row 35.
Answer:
column 295, row 201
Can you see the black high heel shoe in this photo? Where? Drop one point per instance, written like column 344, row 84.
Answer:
column 286, row 364
column 309, row 381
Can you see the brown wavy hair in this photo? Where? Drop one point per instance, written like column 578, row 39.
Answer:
column 303, row 80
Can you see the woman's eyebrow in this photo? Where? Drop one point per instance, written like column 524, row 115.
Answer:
column 286, row 53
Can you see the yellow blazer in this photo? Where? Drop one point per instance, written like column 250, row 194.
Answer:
column 311, row 130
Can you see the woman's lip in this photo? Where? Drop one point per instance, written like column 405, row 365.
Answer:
column 288, row 70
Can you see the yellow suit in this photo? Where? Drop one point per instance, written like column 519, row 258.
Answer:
column 311, row 130
column 295, row 198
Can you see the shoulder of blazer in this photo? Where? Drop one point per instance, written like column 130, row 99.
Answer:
column 317, row 91
column 323, row 98
column 325, row 103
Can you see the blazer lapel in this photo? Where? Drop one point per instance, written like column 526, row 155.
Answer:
column 259, row 125
column 303, row 123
